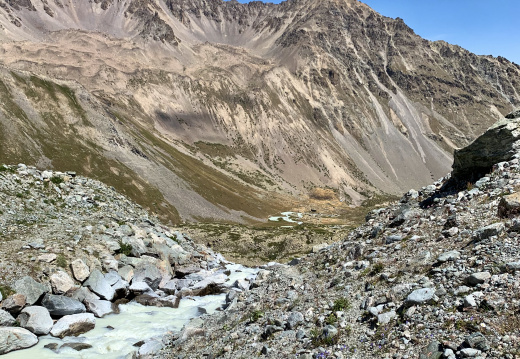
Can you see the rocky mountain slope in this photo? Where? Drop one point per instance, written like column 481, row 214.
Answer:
column 209, row 109
column 435, row 275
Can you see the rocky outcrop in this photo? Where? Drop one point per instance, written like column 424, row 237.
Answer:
column 499, row 143
column 148, row 274
column 100, row 308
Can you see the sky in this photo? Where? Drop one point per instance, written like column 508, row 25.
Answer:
column 484, row 27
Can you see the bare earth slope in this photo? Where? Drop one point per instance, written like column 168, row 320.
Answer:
column 218, row 110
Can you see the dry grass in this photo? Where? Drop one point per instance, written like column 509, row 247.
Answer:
column 322, row 194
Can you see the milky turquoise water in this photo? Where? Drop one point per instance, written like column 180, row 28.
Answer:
column 135, row 323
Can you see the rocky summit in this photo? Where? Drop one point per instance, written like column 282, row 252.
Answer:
column 216, row 110
column 434, row 275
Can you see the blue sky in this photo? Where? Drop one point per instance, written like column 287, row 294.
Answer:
column 482, row 26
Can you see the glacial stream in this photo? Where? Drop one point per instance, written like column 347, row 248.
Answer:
column 135, row 323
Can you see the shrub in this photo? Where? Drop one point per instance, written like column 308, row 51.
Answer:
column 56, row 180
column 322, row 194
column 257, row 314
column 125, row 248
column 61, row 261
column 6, row 290
column 331, row 319
column 377, row 269
column 341, row 304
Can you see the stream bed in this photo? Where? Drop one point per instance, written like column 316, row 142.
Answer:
column 114, row 335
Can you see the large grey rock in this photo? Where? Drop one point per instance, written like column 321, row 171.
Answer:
column 148, row 274
column 242, row 284
column 509, row 205
column 295, row 318
column 175, row 254
column 211, row 279
column 513, row 266
column 80, row 270
column 387, row 317
column 73, row 325
column 478, row 278
column 400, row 291
column 99, row 308
column 469, row 352
column 59, row 305
column 121, row 288
column 393, row 238
column 170, row 301
column 448, row 256
column 97, row 283
column 138, row 247
column 61, row 282
column 32, row 290
column 183, row 271
column 184, row 283
column 15, row 339
column 488, row 231
column 81, row 294
column 47, row 257
column 126, row 230
column 421, row 296
column 112, row 277
column 6, row 319
column 170, row 287
column 477, row 341
column 14, row 303
column 139, row 288
column 36, row 319
column 470, row 302
column 432, row 351
column 499, row 143
column 127, row 273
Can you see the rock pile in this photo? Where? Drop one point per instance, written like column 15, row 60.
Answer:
column 436, row 275
column 74, row 250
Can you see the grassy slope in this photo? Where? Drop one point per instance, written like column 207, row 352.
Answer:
column 27, row 139
column 48, row 132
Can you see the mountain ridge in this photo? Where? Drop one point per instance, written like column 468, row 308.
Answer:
column 279, row 98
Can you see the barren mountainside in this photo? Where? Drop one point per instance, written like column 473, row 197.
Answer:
column 218, row 110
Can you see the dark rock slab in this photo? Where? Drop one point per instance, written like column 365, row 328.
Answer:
column 59, row 305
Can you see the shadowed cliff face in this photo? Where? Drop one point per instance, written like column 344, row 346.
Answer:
column 230, row 111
